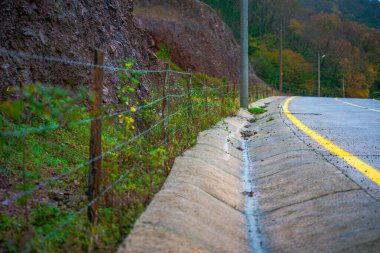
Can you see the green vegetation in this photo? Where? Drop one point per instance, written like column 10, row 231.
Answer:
column 48, row 220
column 310, row 27
column 361, row 11
column 256, row 110
column 270, row 118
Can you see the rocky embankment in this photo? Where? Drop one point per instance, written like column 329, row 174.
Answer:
column 198, row 40
column 69, row 29
column 196, row 37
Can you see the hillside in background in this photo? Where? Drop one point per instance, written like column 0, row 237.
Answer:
column 195, row 36
column 366, row 12
column 352, row 49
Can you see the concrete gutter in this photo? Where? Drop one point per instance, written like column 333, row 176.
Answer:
column 268, row 191
column 201, row 206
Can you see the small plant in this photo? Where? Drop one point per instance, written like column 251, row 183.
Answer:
column 256, row 110
column 164, row 53
column 270, row 118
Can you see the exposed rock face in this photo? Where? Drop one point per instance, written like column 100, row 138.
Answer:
column 197, row 38
column 70, row 29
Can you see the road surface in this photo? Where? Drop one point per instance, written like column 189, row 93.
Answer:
column 314, row 174
column 352, row 125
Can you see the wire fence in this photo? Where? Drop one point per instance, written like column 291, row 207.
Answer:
column 32, row 130
column 26, row 55
column 181, row 104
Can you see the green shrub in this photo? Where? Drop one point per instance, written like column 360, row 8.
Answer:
column 256, row 110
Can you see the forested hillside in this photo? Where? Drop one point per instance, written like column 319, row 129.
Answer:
column 361, row 11
column 352, row 50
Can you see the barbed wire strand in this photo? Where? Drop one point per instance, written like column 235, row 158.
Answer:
column 109, row 187
column 80, row 211
column 12, row 53
column 79, row 167
column 39, row 129
column 25, row 55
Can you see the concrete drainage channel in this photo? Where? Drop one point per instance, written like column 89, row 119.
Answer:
column 201, row 205
column 256, row 187
column 252, row 212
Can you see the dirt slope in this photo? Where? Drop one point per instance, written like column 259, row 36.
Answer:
column 71, row 29
column 197, row 38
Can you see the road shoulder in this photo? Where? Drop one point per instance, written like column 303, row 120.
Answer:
column 306, row 204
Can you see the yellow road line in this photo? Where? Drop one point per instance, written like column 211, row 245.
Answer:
column 363, row 107
column 352, row 160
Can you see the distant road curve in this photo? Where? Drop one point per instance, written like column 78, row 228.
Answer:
column 359, row 106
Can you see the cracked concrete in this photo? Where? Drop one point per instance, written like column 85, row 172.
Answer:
column 307, row 204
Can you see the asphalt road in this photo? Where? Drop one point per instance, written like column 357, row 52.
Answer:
column 351, row 124
column 311, row 190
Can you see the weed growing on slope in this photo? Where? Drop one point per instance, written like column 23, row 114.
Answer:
column 256, row 110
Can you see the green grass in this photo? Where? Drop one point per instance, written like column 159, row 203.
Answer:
column 47, row 154
column 256, row 110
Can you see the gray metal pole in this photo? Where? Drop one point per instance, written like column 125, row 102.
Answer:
column 244, row 53
column 344, row 88
column 281, row 57
column 319, row 75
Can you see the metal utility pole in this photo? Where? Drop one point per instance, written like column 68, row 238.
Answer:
column 343, row 87
column 280, row 55
column 319, row 73
column 244, row 53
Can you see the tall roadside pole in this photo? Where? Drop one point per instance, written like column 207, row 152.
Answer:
column 319, row 74
column 281, row 74
column 343, row 87
column 244, row 53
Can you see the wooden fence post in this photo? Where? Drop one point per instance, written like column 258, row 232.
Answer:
column 205, row 96
column 189, row 81
column 234, row 92
column 164, row 104
column 189, row 102
column 95, row 169
column 222, row 96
